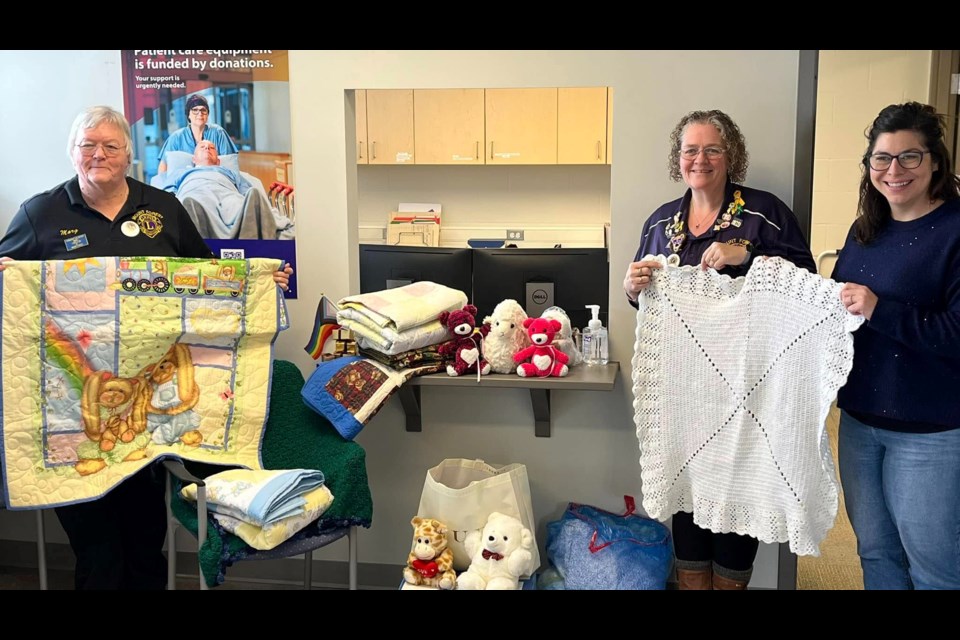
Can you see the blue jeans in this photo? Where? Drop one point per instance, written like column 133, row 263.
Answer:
column 903, row 497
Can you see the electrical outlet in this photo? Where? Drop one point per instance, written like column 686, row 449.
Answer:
column 514, row 234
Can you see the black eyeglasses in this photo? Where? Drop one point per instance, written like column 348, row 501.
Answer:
column 199, row 110
column 907, row 160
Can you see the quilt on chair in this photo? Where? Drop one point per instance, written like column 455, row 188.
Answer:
column 111, row 363
column 296, row 437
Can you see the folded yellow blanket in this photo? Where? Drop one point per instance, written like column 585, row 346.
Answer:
column 241, row 501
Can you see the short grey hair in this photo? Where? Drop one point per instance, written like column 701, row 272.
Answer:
column 733, row 142
column 93, row 118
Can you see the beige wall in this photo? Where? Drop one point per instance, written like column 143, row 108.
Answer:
column 505, row 195
column 853, row 87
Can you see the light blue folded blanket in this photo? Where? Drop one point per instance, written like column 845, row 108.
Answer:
column 258, row 497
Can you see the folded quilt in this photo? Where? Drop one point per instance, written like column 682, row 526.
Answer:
column 405, row 307
column 350, row 391
column 390, row 342
column 733, row 380
column 258, row 497
column 414, row 357
column 272, row 535
column 295, row 438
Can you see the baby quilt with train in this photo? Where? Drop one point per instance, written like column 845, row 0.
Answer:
column 107, row 364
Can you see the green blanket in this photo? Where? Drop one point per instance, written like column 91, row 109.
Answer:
column 295, row 438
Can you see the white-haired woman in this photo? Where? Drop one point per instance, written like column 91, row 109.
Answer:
column 102, row 212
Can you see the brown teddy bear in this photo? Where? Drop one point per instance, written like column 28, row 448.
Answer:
column 430, row 563
column 464, row 348
column 112, row 409
column 113, row 412
column 172, row 394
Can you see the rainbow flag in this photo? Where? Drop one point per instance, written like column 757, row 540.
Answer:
column 323, row 325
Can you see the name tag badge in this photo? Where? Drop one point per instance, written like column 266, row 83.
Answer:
column 76, row 242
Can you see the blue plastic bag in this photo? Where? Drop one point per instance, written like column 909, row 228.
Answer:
column 590, row 548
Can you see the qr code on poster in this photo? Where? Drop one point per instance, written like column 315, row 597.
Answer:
column 231, row 254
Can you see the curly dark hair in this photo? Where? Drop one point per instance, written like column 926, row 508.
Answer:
column 873, row 210
column 733, row 142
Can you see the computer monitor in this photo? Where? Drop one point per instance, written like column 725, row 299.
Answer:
column 390, row 266
column 542, row 278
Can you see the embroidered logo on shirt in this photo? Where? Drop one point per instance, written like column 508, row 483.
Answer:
column 151, row 222
column 69, row 232
column 76, row 242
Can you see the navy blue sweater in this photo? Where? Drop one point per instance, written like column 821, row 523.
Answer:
column 906, row 364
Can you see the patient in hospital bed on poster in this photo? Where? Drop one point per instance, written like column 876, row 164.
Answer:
column 224, row 202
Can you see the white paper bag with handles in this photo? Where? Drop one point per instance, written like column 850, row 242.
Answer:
column 463, row 493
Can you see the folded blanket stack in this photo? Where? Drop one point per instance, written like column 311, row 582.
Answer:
column 425, row 360
column 295, row 438
column 398, row 320
column 265, row 508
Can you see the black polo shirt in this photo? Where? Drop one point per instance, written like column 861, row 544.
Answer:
column 58, row 225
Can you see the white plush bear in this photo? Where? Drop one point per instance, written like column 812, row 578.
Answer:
column 507, row 336
column 499, row 555
column 564, row 339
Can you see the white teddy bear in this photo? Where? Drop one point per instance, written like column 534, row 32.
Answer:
column 507, row 336
column 564, row 339
column 499, row 555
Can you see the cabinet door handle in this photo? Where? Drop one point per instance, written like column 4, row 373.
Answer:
column 477, row 153
column 491, row 149
column 374, row 152
column 360, row 149
column 598, row 149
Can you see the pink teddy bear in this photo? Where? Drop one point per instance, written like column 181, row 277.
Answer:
column 545, row 359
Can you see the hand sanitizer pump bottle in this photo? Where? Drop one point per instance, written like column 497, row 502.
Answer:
column 595, row 349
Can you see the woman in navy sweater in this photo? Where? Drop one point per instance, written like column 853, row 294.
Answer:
column 900, row 418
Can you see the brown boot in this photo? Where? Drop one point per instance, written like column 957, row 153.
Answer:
column 695, row 579
column 734, row 581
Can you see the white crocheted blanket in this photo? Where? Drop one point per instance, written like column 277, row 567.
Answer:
column 732, row 383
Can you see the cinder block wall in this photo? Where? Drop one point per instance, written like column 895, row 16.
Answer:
column 853, row 87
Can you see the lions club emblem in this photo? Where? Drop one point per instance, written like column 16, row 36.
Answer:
column 150, row 222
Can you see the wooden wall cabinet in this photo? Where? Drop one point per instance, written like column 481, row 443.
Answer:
column 582, row 125
column 485, row 126
column 521, row 126
column 609, row 125
column 360, row 106
column 390, row 126
column 448, row 126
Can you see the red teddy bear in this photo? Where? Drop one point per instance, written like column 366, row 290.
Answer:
column 465, row 345
column 545, row 359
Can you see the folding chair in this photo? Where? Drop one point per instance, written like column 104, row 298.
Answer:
column 303, row 547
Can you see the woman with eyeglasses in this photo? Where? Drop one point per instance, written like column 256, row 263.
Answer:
column 717, row 224
column 117, row 539
column 186, row 139
column 899, row 444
